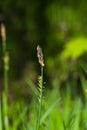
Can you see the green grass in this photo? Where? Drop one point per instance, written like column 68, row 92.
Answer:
column 48, row 110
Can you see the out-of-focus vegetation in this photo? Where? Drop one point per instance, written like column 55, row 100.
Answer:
column 60, row 28
column 52, row 24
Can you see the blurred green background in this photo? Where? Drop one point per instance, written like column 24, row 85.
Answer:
column 59, row 27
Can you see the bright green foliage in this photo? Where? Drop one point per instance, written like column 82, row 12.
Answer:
column 64, row 114
column 5, row 111
column 75, row 48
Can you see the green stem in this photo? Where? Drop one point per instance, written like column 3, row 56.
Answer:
column 5, row 94
column 40, row 104
column 5, row 70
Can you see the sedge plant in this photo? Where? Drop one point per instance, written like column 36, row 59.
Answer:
column 40, row 88
column 5, row 58
column 5, row 76
column 40, row 118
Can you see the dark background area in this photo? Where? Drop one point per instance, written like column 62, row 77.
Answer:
column 52, row 25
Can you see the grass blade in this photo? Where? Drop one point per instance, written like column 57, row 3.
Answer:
column 32, row 86
column 5, row 111
column 49, row 111
column 0, row 117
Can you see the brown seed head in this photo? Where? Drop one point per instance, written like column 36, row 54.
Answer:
column 3, row 32
column 40, row 55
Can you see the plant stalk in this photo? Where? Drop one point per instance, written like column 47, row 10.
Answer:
column 40, row 103
column 5, row 75
column 5, row 68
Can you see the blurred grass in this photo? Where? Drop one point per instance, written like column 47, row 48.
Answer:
column 69, row 113
column 66, row 114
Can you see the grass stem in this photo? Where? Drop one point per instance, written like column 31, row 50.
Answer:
column 40, row 100
column 5, row 75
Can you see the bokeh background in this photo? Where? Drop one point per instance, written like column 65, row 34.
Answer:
column 60, row 28
column 52, row 24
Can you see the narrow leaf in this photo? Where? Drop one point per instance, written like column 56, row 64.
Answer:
column 49, row 111
column 0, row 117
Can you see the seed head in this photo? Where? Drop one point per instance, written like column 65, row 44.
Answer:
column 40, row 55
column 3, row 32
